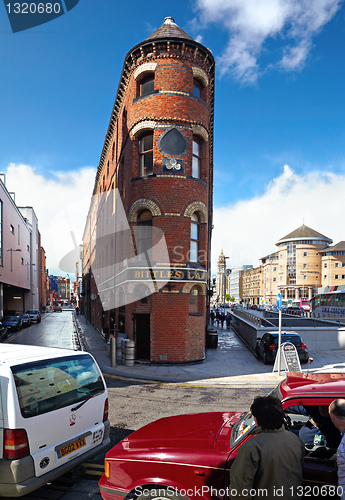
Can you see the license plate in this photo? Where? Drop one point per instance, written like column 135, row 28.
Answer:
column 70, row 448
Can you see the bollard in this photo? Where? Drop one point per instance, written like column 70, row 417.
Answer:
column 112, row 351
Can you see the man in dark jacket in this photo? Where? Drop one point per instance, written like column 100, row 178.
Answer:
column 268, row 465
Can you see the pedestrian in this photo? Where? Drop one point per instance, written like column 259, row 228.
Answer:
column 218, row 317
column 222, row 319
column 212, row 317
column 228, row 321
column 272, row 460
column 337, row 414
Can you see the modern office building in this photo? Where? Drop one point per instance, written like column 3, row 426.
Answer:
column 295, row 269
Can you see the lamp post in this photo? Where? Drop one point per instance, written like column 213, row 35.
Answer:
column 13, row 250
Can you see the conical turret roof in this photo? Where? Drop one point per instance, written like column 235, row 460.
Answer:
column 169, row 29
column 302, row 233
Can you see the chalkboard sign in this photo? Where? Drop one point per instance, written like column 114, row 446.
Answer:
column 291, row 357
column 289, row 360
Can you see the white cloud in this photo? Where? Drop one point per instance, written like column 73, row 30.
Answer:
column 251, row 23
column 61, row 204
column 250, row 229
column 245, row 231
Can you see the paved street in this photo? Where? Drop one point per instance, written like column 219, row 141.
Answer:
column 231, row 363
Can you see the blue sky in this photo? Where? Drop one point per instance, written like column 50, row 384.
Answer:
column 279, row 145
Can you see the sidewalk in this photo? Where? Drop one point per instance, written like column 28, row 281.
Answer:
column 230, row 364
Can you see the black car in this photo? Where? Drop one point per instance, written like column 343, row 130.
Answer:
column 266, row 347
column 292, row 310
column 12, row 323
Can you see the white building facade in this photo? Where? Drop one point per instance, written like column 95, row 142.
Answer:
column 18, row 255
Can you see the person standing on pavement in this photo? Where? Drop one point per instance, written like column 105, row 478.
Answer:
column 337, row 414
column 222, row 319
column 268, row 465
column 212, row 317
column 228, row 321
column 217, row 317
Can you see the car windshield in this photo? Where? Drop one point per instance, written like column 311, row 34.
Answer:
column 45, row 385
column 32, row 311
column 246, row 423
column 10, row 318
column 288, row 338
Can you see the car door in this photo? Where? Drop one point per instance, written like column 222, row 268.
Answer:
column 320, row 462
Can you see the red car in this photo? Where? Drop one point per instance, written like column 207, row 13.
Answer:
column 189, row 456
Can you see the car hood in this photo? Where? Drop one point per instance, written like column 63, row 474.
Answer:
column 196, row 432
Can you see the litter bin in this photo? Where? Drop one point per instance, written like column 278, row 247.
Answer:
column 212, row 339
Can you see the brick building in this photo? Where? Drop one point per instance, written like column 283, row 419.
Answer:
column 153, row 187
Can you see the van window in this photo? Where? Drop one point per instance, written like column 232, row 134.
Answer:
column 45, row 385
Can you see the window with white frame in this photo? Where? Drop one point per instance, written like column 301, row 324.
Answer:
column 194, row 238
column 196, row 162
column 146, row 154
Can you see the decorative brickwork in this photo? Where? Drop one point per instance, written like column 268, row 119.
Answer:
column 201, row 75
column 197, row 206
column 140, row 205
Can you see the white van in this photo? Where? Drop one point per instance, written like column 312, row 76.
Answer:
column 53, row 415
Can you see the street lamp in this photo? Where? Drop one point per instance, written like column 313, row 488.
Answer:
column 13, row 250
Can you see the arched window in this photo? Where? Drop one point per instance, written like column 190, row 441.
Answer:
column 146, row 154
column 144, row 233
column 196, row 162
column 197, row 87
column 147, row 84
column 194, row 238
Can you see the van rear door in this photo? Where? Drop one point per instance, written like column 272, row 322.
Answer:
column 61, row 405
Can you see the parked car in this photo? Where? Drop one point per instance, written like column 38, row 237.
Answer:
column 54, row 415
column 57, row 309
column 292, row 310
column 25, row 319
column 12, row 323
column 34, row 314
column 267, row 345
column 182, row 456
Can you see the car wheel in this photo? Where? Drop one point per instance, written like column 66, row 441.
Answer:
column 158, row 493
column 265, row 359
